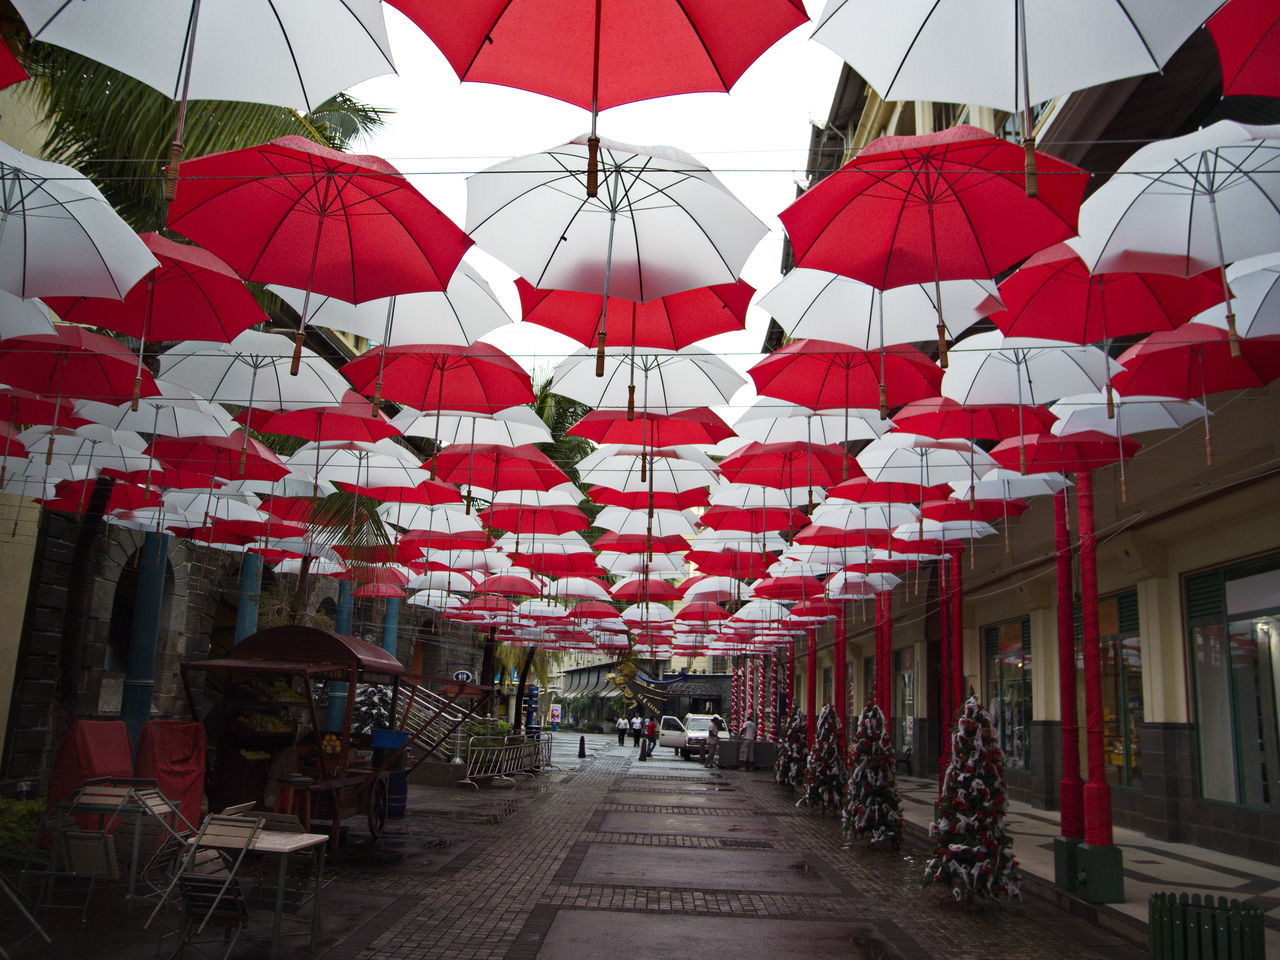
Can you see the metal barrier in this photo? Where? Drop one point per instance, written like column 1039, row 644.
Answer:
column 1185, row 928
column 523, row 756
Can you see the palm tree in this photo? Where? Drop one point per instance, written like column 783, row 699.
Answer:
column 117, row 130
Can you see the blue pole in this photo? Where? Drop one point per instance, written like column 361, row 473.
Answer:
column 391, row 625
column 336, row 710
column 250, row 588
column 140, row 676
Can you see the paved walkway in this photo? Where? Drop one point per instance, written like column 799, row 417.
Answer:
column 619, row 858
column 1150, row 865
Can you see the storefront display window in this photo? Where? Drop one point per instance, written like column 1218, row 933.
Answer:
column 1234, row 630
column 1008, row 660
column 1122, row 704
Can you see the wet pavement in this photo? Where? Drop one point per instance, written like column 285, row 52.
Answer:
column 611, row 857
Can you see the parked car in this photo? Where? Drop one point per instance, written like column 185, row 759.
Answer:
column 688, row 736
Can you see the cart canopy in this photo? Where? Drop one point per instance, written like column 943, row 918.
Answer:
column 307, row 647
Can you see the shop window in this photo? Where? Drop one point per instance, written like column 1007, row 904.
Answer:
column 1233, row 620
column 828, row 686
column 1007, row 649
column 904, row 695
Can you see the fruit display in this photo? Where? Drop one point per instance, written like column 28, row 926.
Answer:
column 269, row 691
column 258, row 721
column 331, row 743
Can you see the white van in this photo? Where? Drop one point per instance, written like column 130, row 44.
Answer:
column 688, row 736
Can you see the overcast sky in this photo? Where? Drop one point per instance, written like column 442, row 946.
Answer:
column 755, row 139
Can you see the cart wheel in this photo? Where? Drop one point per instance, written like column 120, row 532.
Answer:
column 378, row 807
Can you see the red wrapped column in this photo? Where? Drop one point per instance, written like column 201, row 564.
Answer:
column 960, row 691
column 811, row 682
column 884, row 654
column 946, row 706
column 1071, row 787
column 1097, row 792
column 840, row 671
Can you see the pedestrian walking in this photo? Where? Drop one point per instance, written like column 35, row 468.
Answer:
column 622, row 727
column 747, row 745
column 651, row 731
column 637, row 728
column 711, row 749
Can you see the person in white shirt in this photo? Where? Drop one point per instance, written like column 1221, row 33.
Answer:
column 747, row 745
column 637, row 728
column 622, row 727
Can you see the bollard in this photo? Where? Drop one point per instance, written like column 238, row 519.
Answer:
column 644, row 748
column 582, row 747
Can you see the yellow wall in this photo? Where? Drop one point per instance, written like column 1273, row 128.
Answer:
column 19, row 522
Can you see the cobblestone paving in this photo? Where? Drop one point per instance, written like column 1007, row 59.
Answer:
column 497, row 898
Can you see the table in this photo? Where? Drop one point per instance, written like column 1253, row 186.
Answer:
column 280, row 843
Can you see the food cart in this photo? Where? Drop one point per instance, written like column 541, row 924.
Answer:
column 262, row 708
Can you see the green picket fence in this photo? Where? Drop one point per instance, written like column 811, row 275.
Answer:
column 1194, row 928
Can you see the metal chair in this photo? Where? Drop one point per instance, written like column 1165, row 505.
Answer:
column 210, row 900
column 216, row 852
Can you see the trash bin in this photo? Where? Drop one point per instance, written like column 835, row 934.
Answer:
column 397, row 793
column 385, row 743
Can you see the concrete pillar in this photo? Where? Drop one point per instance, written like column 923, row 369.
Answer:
column 391, row 625
column 140, row 679
column 247, row 601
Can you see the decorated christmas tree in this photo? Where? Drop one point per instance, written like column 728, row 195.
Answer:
column 372, row 707
column 793, row 751
column 824, row 773
column 874, row 806
column 972, row 853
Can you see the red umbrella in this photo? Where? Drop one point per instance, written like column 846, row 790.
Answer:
column 982, row 510
column 752, row 519
column 387, row 590
column 303, row 215
column 643, row 499
column 731, row 563
column 559, row 564
column 523, row 518
column 788, row 588
column 192, row 295
column 73, row 495
column 1247, row 35
column 478, row 378
column 640, row 543
column 30, row 409
column 669, row 322
column 72, row 362
column 1193, row 361
column 863, row 490
column 816, row 609
column 273, row 528
column 791, row 464
column 1071, row 453
column 696, row 426
column 497, row 467
column 292, row 509
column 943, row 417
column 645, row 588
column 593, row 610
column 509, row 585
column 353, row 419
column 429, row 492
column 598, row 54
column 702, row 612
column 950, row 205
column 1054, row 295
column 415, row 541
column 11, row 71
column 228, row 458
column 823, row 375
column 166, row 477
column 824, row 536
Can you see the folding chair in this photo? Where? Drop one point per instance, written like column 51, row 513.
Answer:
column 86, row 854
column 15, row 897
column 215, row 852
column 207, row 900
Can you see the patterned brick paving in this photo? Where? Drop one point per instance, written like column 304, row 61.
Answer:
column 499, row 897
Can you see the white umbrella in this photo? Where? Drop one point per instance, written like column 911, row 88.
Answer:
column 658, row 523
column 578, row 588
column 1002, row 484
column 768, row 420
column 715, row 589
column 295, row 53
column 659, row 565
column 827, row 558
column 664, row 474
column 718, row 541
column 846, row 515
column 566, row 494
column 1133, row 414
column 253, row 370
column 22, row 318
column 686, row 453
column 319, row 566
column 355, row 467
column 485, row 561
column 1007, row 54
column 177, row 412
column 649, row 379
column 437, row 600
column 509, row 428
column 944, row 530
column 60, row 236
column 1255, row 289
column 445, row 518
column 993, row 368
column 661, row 222
column 827, row 306
column 749, row 495
column 465, row 311
column 909, row 458
column 1190, row 204
column 450, row 580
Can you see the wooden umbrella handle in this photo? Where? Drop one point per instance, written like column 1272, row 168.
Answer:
column 176, row 152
